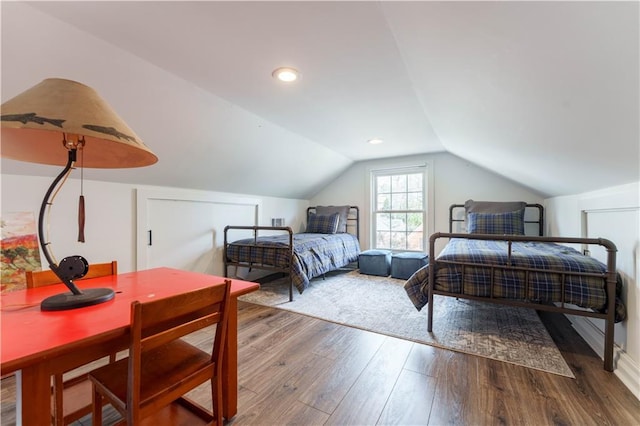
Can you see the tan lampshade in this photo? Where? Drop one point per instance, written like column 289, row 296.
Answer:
column 33, row 124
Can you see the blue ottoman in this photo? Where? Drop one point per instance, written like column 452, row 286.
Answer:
column 375, row 262
column 403, row 265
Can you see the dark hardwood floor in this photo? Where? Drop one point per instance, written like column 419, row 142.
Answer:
column 295, row 369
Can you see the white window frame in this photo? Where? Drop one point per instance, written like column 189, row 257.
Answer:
column 427, row 218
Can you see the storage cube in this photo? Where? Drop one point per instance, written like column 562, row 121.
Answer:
column 375, row 262
column 403, row 265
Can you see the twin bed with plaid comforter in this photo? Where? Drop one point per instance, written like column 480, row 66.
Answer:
column 559, row 271
column 313, row 254
column 329, row 242
column 531, row 272
column 496, row 261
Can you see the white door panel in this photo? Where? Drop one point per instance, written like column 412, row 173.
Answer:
column 186, row 231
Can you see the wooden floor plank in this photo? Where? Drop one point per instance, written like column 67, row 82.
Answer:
column 411, row 400
column 599, row 389
column 366, row 399
column 457, row 391
column 347, row 341
column 501, row 398
column 427, row 360
column 327, row 392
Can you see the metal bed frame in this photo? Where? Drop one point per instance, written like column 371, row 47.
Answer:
column 609, row 276
column 353, row 225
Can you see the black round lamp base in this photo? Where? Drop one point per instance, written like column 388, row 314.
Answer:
column 89, row 297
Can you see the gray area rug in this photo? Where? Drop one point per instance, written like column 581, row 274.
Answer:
column 380, row 305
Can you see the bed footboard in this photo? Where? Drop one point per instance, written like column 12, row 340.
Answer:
column 609, row 276
column 259, row 256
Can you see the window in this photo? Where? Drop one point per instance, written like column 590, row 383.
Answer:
column 399, row 209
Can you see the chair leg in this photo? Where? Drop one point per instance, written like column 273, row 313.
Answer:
column 216, row 400
column 96, row 418
column 58, row 389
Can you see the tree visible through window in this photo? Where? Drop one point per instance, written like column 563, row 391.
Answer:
column 399, row 209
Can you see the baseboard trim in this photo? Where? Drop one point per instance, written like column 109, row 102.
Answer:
column 624, row 367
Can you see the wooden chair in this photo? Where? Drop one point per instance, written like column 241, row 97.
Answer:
column 42, row 278
column 71, row 398
column 161, row 368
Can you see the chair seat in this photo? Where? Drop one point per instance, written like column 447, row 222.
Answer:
column 161, row 368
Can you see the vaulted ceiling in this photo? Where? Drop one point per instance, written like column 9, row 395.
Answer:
column 543, row 93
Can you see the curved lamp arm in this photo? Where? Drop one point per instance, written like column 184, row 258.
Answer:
column 70, row 267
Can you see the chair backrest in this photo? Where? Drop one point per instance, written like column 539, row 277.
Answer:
column 158, row 322
column 48, row 277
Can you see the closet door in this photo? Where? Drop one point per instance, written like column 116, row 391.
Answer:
column 185, row 230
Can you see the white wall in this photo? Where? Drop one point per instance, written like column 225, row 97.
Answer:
column 452, row 181
column 111, row 215
column 612, row 213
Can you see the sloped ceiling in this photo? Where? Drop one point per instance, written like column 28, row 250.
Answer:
column 543, row 93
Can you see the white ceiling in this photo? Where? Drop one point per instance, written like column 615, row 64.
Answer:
column 544, row 93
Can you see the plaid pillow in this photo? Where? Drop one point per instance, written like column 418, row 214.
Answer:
column 508, row 223
column 322, row 224
column 343, row 211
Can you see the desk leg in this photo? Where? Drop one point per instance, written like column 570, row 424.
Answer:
column 230, row 364
column 35, row 383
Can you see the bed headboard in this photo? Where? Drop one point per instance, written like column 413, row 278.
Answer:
column 535, row 210
column 353, row 219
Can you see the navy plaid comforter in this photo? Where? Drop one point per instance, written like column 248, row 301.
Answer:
column 542, row 287
column 313, row 254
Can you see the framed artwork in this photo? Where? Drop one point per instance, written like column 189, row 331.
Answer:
column 20, row 250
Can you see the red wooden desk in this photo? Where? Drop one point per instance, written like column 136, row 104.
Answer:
column 44, row 343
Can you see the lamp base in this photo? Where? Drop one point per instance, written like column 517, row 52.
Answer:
column 89, row 297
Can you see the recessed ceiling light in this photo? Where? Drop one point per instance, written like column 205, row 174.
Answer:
column 286, row 74
column 375, row 141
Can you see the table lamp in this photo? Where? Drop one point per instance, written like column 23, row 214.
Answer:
column 63, row 122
